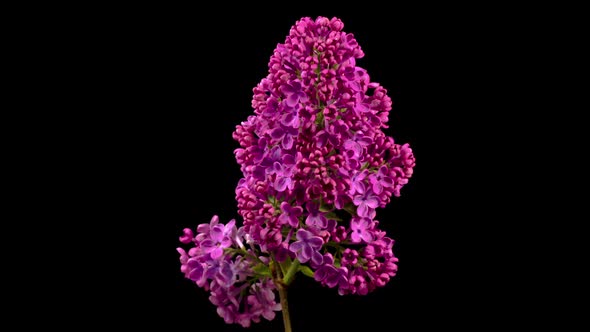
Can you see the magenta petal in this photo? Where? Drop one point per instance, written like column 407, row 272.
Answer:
column 387, row 182
column 288, row 160
column 357, row 200
column 194, row 251
column 225, row 276
column 355, row 236
column 277, row 133
column 316, row 258
column 292, row 100
column 361, row 107
column 288, row 119
column 296, row 246
column 269, row 314
column 207, row 245
column 287, row 89
column 303, row 234
column 284, row 219
column 281, row 183
column 193, row 263
column 287, row 142
column 230, row 224
column 226, row 242
column 285, row 207
column 216, row 253
column 303, row 97
column 364, row 223
column 217, row 233
column 315, row 242
column 182, row 253
column 377, row 188
column 306, row 254
column 319, row 274
column 196, row 274
column 365, row 140
column 359, row 187
column 214, row 221
column 293, row 221
column 203, row 228
column 362, row 210
column 372, row 202
column 367, row 236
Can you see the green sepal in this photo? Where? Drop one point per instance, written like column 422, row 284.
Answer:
column 333, row 216
column 326, row 208
column 262, row 269
column 306, row 270
column 285, row 265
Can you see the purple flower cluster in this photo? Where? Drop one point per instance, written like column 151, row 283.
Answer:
column 219, row 262
column 316, row 166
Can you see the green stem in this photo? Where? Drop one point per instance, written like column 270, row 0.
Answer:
column 282, row 286
column 285, row 307
column 288, row 277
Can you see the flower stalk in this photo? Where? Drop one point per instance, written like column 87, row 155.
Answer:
column 285, row 307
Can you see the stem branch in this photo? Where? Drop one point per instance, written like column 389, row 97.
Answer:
column 288, row 278
column 285, row 307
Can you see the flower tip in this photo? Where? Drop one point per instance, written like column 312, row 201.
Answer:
column 336, row 24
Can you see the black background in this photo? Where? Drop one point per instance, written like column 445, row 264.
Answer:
column 174, row 87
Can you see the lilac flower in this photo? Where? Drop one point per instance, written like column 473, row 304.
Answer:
column 326, row 136
column 270, row 238
column 204, row 229
column 187, row 236
column 331, row 276
column 226, row 274
column 271, row 108
column 284, row 135
column 276, row 160
column 290, row 214
column 357, row 143
column 380, row 179
column 350, row 256
column 263, row 302
column 358, row 285
column 278, row 168
column 291, row 119
column 339, row 234
column 361, row 230
column 237, row 235
column 196, row 271
column 369, row 252
column 351, row 160
column 366, row 203
column 283, row 182
column 357, row 183
column 307, row 247
column 315, row 218
column 294, row 93
column 272, row 156
column 183, row 260
column 362, row 108
column 219, row 239
column 228, row 301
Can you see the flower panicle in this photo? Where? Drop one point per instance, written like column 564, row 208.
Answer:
column 316, row 166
